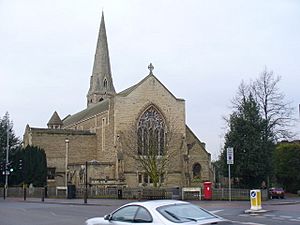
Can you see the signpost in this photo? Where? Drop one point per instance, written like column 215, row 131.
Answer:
column 229, row 162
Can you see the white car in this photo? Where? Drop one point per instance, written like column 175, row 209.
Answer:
column 162, row 212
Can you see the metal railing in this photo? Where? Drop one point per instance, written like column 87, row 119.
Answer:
column 129, row 193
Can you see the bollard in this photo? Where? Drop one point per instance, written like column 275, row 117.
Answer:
column 43, row 194
column 24, row 192
column 255, row 199
column 4, row 192
column 85, row 197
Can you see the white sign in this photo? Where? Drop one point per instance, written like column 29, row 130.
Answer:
column 253, row 194
column 229, row 156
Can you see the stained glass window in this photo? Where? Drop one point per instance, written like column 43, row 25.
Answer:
column 151, row 133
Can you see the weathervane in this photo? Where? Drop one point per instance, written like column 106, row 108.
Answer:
column 151, row 67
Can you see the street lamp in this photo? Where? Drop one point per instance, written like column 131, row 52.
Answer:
column 86, row 178
column 6, row 162
column 86, row 183
column 66, row 165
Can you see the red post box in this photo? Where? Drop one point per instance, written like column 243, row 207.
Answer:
column 207, row 190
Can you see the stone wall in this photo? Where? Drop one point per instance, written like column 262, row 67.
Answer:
column 130, row 106
column 100, row 136
column 197, row 154
column 82, row 147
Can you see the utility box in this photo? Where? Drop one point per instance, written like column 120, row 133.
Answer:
column 255, row 199
column 207, row 190
column 71, row 191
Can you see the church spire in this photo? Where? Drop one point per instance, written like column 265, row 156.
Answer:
column 101, row 83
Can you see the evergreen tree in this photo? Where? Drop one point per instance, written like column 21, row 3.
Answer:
column 6, row 128
column 287, row 165
column 34, row 166
column 29, row 166
column 246, row 136
column 17, row 161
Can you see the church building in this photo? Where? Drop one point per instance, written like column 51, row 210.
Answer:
column 109, row 140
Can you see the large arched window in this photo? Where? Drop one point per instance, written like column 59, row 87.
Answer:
column 151, row 133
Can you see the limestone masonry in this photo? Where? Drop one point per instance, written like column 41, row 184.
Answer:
column 103, row 134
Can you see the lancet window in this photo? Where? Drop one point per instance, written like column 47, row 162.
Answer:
column 105, row 83
column 151, row 133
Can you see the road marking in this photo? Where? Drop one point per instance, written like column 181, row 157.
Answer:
column 52, row 213
column 260, row 217
column 286, row 217
column 277, row 218
column 270, row 215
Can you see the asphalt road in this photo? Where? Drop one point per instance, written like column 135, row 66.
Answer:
column 66, row 212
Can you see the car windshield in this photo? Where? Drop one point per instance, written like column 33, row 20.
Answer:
column 180, row 213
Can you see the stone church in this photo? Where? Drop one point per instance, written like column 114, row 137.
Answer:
column 100, row 142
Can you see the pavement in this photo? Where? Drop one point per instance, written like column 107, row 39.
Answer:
column 100, row 202
column 118, row 202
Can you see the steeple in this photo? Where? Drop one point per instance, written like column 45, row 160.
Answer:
column 101, row 83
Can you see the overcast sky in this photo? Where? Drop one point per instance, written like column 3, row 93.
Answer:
column 201, row 51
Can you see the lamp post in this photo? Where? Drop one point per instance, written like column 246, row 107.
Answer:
column 86, row 183
column 66, row 165
column 6, row 162
column 92, row 162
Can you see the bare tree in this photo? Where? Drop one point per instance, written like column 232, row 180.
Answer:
column 274, row 109
column 243, row 93
column 152, row 145
column 277, row 113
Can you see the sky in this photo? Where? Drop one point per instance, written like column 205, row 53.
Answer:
column 201, row 51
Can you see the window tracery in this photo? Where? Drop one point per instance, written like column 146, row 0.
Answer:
column 151, row 133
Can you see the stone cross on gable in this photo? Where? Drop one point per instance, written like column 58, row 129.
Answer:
column 151, row 68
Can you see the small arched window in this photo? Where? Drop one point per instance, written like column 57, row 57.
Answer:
column 197, row 171
column 105, row 83
column 151, row 133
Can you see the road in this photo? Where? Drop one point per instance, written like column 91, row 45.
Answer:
column 278, row 212
column 66, row 212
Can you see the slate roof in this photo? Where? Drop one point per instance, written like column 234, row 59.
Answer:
column 55, row 120
column 196, row 138
column 104, row 105
column 130, row 89
column 86, row 113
